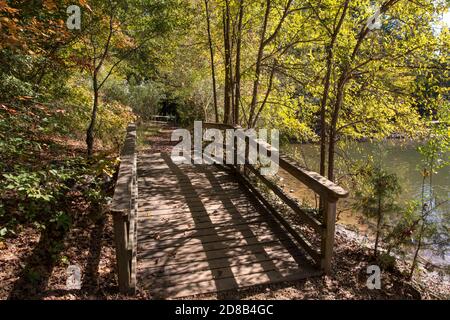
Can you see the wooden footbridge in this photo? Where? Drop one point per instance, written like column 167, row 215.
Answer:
column 185, row 229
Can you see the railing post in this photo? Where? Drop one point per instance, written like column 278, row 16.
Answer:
column 122, row 256
column 329, row 222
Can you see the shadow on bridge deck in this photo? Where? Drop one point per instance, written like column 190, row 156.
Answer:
column 199, row 232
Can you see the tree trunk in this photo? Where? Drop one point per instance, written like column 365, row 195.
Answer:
column 237, row 74
column 326, row 90
column 228, row 80
column 341, row 88
column 90, row 130
column 380, row 217
column 266, row 96
column 211, row 52
column 332, row 133
column 323, row 107
column 422, row 227
column 258, row 65
column 416, row 253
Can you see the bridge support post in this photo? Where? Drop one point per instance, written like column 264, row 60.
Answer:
column 122, row 255
column 329, row 223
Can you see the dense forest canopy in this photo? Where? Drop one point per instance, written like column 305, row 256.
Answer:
column 317, row 70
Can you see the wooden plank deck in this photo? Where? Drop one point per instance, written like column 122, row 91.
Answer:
column 200, row 232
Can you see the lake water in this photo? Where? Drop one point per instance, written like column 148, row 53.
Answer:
column 396, row 156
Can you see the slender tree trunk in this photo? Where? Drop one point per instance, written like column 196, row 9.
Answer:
column 228, row 79
column 90, row 130
column 258, row 65
column 341, row 89
column 332, row 133
column 416, row 253
column 424, row 213
column 95, row 84
column 263, row 43
column 323, row 108
column 326, row 90
column 211, row 52
column 266, row 96
column 237, row 73
column 379, row 220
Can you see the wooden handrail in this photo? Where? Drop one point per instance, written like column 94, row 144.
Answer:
column 124, row 209
column 313, row 180
column 304, row 216
column 315, row 255
column 123, row 186
column 329, row 192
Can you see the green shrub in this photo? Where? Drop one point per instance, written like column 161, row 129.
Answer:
column 387, row 261
column 113, row 119
column 11, row 87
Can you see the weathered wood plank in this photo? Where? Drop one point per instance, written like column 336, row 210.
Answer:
column 255, row 226
column 229, row 237
column 235, row 282
column 205, row 198
column 192, row 257
column 187, row 266
column 311, row 179
column 239, row 248
column 199, row 206
column 327, row 244
column 200, row 214
column 197, row 225
column 178, row 187
column 278, row 270
column 123, row 189
column 221, row 222
column 198, row 179
column 195, row 245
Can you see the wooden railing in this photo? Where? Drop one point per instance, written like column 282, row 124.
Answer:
column 328, row 191
column 124, row 209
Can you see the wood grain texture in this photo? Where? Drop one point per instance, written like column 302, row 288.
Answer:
column 199, row 232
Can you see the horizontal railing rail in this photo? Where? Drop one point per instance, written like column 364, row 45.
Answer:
column 124, row 210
